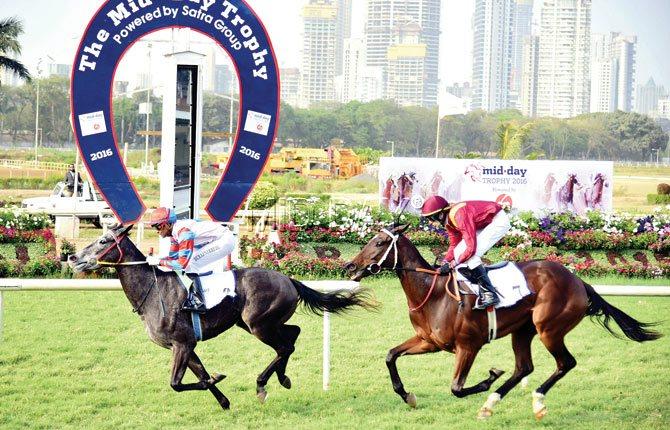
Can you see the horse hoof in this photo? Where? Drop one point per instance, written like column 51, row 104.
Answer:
column 411, row 400
column 225, row 404
column 262, row 396
column 484, row 413
column 539, row 408
column 496, row 373
column 286, row 382
column 216, row 378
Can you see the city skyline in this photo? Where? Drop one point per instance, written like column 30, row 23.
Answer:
column 647, row 19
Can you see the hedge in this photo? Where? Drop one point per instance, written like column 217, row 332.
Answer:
column 658, row 199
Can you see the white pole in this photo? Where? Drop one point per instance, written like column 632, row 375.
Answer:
column 37, row 113
column 140, row 234
column 74, row 192
column 326, row 351
column 146, row 138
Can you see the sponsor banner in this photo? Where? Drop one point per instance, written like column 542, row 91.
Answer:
column 113, row 29
column 576, row 186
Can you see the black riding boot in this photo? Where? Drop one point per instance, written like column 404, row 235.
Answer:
column 487, row 292
column 194, row 302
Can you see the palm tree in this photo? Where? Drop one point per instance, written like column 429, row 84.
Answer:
column 10, row 29
column 511, row 139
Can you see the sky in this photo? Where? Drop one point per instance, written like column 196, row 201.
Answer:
column 53, row 28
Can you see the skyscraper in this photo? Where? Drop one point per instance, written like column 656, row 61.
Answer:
column 319, row 52
column 406, row 66
column 224, row 81
column 563, row 81
column 625, row 51
column 358, row 81
column 290, row 86
column 648, row 95
column 492, row 54
column 523, row 23
column 353, row 63
column 385, row 20
column 612, row 72
column 528, row 94
column 343, row 31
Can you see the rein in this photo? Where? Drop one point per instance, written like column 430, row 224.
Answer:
column 376, row 268
column 118, row 262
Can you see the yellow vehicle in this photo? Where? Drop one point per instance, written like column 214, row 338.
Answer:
column 332, row 162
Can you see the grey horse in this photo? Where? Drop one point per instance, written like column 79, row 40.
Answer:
column 265, row 301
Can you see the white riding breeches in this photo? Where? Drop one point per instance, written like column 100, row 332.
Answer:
column 486, row 238
column 211, row 257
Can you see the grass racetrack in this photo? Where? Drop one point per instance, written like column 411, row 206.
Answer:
column 83, row 360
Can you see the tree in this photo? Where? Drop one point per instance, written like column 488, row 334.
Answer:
column 10, row 29
column 638, row 135
column 512, row 137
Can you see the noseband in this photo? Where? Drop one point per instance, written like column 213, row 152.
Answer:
column 375, row 268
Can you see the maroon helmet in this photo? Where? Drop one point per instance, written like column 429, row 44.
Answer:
column 433, row 205
column 162, row 216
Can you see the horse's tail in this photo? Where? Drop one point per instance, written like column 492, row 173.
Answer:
column 336, row 301
column 603, row 311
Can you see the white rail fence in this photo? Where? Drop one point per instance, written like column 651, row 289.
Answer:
column 17, row 285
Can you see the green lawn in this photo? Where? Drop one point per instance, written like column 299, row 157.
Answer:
column 83, row 360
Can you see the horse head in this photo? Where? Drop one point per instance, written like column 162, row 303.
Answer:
column 381, row 252
column 106, row 249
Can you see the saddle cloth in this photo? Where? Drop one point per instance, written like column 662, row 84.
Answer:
column 217, row 286
column 508, row 280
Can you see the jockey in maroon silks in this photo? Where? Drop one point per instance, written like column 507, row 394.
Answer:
column 473, row 227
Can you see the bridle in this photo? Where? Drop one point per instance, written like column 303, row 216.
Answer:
column 117, row 245
column 376, row 268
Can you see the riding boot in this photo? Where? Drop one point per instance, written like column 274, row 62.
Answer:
column 194, row 302
column 487, row 292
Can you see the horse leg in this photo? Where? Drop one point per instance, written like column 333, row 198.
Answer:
column 521, row 341
column 464, row 359
column 412, row 346
column 196, row 367
column 181, row 355
column 270, row 336
column 290, row 334
column 564, row 363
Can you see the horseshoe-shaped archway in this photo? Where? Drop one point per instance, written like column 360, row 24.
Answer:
column 112, row 30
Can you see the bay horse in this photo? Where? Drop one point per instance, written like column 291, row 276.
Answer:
column 265, row 301
column 594, row 195
column 567, row 192
column 442, row 322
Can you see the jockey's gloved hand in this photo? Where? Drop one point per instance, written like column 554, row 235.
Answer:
column 444, row 269
column 153, row 260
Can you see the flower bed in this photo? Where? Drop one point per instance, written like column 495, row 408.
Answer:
column 19, row 228
column 562, row 237
column 567, row 231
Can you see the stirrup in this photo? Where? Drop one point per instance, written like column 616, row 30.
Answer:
column 485, row 300
column 194, row 306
